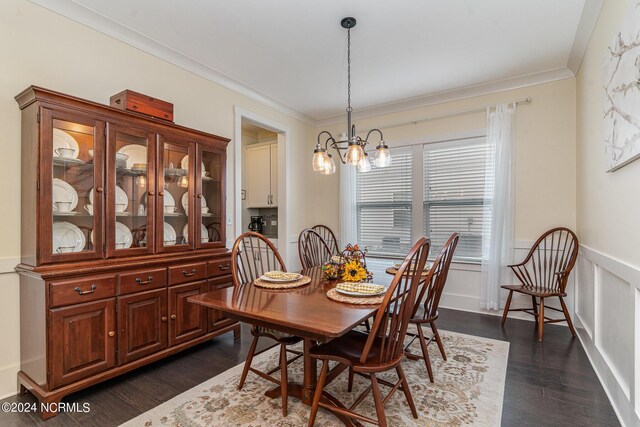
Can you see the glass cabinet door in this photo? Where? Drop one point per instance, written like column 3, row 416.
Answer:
column 210, row 197
column 72, row 155
column 130, row 191
column 175, row 194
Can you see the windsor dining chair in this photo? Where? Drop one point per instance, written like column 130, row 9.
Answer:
column 312, row 249
column 329, row 237
column 544, row 273
column 251, row 257
column 379, row 351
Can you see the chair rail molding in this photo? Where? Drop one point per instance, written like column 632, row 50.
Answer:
column 607, row 307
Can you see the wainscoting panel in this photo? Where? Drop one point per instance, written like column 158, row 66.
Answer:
column 608, row 323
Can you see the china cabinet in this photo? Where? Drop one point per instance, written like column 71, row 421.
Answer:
column 122, row 221
column 262, row 182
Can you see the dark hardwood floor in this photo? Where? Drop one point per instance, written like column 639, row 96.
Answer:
column 549, row 384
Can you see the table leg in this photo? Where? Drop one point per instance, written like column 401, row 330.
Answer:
column 310, row 372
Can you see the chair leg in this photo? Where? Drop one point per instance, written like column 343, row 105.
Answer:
column 566, row 316
column 425, row 352
column 283, row 379
column 407, row 391
column 317, row 395
column 506, row 308
column 436, row 335
column 535, row 309
column 366, row 325
column 247, row 362
column 350, row 384
column 377, row 398
column 541, row 320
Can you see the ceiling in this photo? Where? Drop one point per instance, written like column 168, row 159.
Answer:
column 291, row 54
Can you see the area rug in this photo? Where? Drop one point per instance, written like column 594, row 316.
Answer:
column 468, row 390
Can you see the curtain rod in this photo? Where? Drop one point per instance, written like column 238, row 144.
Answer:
column 447, row 115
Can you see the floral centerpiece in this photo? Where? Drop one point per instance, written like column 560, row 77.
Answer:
column 350, row 265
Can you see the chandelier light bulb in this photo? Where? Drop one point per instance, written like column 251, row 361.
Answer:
column 355, row 154
column 183, row 182
column 383, row 157
column 319, row 159
column 364, row 165
column 329, row 166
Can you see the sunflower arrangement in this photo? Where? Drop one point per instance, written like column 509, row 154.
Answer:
column 354, row 271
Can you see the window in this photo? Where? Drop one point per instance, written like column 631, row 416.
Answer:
column 448, row 177
column 454, row 196
column 383, row 204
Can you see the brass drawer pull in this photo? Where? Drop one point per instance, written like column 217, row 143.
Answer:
column 224, row 267
column 144, row 282
column 187, row 274
column 81, row 292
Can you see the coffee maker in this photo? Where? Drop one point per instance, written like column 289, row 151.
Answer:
column 256, row 224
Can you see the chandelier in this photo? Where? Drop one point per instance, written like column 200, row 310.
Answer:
column 348, row 143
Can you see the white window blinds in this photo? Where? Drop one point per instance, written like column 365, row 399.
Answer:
column 454, row 198
column 383, row 203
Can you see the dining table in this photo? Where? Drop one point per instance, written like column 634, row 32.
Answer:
column 305, row 312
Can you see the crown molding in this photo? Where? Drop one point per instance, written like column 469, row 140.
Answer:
column 586, row 25
column 453, row 95
column 111, row 28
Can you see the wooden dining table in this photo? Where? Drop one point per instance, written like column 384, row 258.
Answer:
column 305, row 312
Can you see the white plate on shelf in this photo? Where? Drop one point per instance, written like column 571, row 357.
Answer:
column 185, row 202
column 64, row 192
column 121, row 197
column 204, row 234
column 168, row 199
column 270, row 279
column 123, row 236
column 67, row 235
column 169, row 235
column 184, row 164
column 137, row 154
column 62, row 139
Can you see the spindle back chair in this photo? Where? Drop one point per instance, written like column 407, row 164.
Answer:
column 312, row 249
column 329, row 237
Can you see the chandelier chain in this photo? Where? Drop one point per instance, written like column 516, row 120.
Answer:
column 349, row 69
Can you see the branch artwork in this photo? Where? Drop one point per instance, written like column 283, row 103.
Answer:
column 621, row 84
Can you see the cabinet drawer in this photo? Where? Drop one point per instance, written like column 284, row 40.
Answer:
column 187, row 273
column 82, row 289
column 142, row 280
column 219, row 267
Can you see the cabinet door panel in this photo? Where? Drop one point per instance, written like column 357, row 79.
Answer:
column 187, row 320
column 130, row 191
column 216, row 318
column 81, row 341
column 210, row 194
column 176, row 194
column 258, row 176
column 71, row 196
column 274, row 175
column 142, row 324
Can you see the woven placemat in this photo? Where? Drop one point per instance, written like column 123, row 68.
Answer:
column 337, row 296
column 392, row 271
column 288, row 285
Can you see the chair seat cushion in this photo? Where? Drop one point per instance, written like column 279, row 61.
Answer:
column 348, row 349
column 279, row 336
column 534, row 291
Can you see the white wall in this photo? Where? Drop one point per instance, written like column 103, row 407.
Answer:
column 608, row 209
column 40, row 47
column 544, row 171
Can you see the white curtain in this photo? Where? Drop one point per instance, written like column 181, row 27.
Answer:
column 348, row 224
column 497, row 235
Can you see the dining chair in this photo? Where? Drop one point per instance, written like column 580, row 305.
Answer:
column 431, row 292
column 379, row 351
column 327, row 234
column 544, row 273
column 251, row 257
column 312, row 249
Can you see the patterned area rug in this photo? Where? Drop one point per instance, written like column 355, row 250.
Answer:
column 468, row 390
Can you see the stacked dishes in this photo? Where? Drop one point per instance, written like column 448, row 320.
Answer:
column 67, row 238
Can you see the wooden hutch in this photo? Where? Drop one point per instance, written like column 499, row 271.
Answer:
column 122, row 221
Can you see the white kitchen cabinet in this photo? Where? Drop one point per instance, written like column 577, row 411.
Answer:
column 261, row 174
